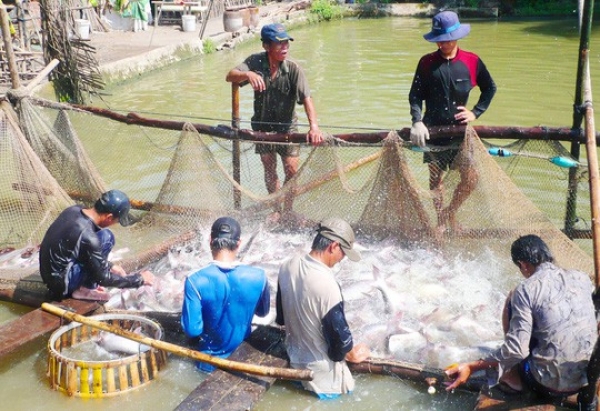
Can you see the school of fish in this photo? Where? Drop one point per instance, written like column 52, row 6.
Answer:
column 414, row 305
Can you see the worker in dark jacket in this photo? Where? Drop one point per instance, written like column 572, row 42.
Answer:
column 74, row 251
column 443, row 80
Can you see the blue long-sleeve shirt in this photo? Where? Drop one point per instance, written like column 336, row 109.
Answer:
column 219, row 303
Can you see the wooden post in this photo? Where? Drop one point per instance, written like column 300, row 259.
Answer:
column 585, row 25
column 10, row 55
column 205, row 18
column 594, row 181
column 584, row 95
column 235, row 124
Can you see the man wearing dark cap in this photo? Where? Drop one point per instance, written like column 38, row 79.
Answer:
column 279, row 84
column 443, row 80
column 74, row 251
column 310, row 305
column 220, row 300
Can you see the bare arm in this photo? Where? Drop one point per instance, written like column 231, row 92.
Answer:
column 359, row 353
column 241, row 77
column 314, row 135
column 461, row 372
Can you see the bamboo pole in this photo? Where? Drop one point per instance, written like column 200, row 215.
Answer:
column 433, row 377
column 585, row 88
column 281, row 373
column 7, row 39
column 585, row 11
column 205, row 18
column 42, row 74
column 235, row 155
column 584, row 110
column 594, row 182
column 374, row 137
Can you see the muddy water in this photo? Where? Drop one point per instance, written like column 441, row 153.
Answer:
column 360, row 73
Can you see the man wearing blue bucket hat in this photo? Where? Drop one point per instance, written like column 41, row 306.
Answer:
column 279, row 84
column 443, row 80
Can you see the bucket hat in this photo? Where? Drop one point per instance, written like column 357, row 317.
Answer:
column 336, row 229
column 117, row 203
column 446, row 27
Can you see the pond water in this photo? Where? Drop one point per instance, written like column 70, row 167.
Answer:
column 360, row 73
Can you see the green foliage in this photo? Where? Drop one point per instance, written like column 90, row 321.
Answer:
column 208, row 46
column 326, row 10
column 541, row 7
column 472, row 3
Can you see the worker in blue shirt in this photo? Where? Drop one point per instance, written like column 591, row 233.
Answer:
column 221, row 298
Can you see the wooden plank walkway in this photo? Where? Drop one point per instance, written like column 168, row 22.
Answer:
column 36, row 323
column 225, row 390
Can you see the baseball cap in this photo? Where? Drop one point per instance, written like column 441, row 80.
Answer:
column 339, row 230
column 274, row 32
column 117, row 203
column 226, row 227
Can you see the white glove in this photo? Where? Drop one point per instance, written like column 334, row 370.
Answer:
column 419, row 133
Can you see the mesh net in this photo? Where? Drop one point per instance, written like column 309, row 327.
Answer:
column 31, row 198
column 180, row 181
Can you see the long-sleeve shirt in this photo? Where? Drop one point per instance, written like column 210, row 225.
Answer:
column 219, row 303
column 444, row 84
column 309, row 302
column 72, row 239
column 553, row 321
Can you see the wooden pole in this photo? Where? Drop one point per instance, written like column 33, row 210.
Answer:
column 594, row 181
column 591, row 148
column 42, row 74
column 281, row 373
column 10, row 55
column 205, row 18
column 585, row 10
column 433, row 377
column 374, row 137
column 583, row 105
column 236, row 154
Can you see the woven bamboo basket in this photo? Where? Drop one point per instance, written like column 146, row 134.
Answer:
column 95, row 379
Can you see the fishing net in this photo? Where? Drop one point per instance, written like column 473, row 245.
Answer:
column 181, row 180
column 30, row 197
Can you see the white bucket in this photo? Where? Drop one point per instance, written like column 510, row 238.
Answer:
column 188, row 22
column 83, row 28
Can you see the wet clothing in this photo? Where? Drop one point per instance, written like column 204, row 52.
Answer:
column 444, row 85
column 552, row 327
column 218, row 305
column 309, row 303
column 74, row 253
column 275, row 108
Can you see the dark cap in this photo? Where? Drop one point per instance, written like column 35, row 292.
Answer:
column 339, row 230
column 446, row 27
column 274, row 32
column 226, row 227
column 117, row 203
